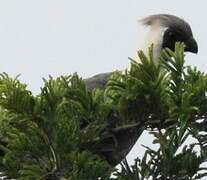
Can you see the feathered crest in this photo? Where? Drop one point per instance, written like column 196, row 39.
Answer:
column 167, row 20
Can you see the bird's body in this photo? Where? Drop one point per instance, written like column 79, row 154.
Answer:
column 98, row 81
column 165, row 31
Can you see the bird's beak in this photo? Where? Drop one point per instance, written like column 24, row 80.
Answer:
column 191, row 45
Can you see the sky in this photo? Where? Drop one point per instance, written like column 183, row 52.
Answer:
column 59, row 37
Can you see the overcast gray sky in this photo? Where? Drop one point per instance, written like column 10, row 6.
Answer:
column 59, row 37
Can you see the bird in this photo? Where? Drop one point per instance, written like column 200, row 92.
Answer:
column 164, row 31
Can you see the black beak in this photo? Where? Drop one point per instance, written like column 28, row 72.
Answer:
column 191, row 45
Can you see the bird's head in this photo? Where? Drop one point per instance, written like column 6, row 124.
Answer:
column 166, row 30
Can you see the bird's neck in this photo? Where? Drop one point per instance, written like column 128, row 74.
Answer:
column 154, row 36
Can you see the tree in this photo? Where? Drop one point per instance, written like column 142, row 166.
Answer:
column 69, row 133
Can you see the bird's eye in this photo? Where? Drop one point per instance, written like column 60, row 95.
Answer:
column 171, row 34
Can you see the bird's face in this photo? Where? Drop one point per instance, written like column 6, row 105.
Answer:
column 165, row 31
column 176, row 34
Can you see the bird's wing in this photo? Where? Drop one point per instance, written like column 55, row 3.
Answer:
column 98, row 81
column 113, row 148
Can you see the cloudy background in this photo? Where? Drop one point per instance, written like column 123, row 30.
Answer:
column 59, row 37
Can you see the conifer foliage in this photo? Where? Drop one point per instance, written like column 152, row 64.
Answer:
column 69, row 133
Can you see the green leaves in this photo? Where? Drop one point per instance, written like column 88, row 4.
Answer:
column 41, row 139
column 69, row 133
column 14, row 95
column 179, row 96
column 139, row 93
